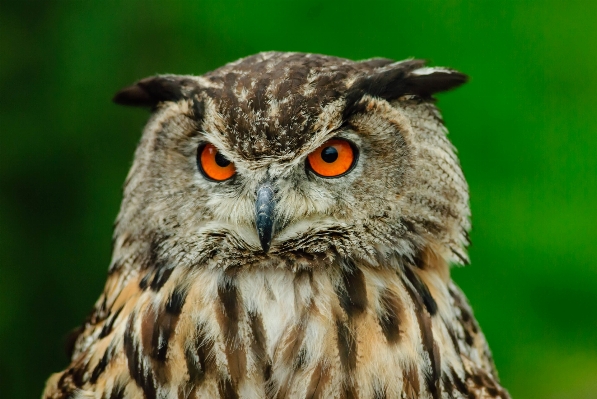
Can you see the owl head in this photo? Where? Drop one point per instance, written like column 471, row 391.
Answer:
column 293, row 160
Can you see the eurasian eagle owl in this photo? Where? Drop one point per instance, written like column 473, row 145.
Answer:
column 286, row 232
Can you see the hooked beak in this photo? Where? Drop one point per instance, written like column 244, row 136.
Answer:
column 264, row 214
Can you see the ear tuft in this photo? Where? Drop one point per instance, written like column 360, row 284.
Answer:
column 376, row 62
column 151, row 91
column 428, row 81
column 135, row 96
column 408, row 77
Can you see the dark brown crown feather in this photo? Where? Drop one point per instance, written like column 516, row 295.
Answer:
column 383, row 78
column 298, row 85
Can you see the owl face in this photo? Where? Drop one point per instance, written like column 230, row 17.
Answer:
column 297, row 156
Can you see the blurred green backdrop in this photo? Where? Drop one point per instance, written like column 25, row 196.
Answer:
column 525, row 127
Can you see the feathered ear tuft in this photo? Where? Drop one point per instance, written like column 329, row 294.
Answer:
column 425, row 82
column 149, row 92
column 409, row 77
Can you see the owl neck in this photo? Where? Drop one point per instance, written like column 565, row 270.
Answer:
column 340, row 324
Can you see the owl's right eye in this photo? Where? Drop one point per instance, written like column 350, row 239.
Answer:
column 213, row 164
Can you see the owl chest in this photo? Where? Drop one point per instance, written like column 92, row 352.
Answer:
column 273, row 333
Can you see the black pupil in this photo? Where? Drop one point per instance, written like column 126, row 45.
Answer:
column 329, row 154
column 221, row 160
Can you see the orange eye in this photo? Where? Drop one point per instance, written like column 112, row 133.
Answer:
column 333, row 159
column 214, row 165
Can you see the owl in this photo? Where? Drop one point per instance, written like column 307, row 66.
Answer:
column 287, row 231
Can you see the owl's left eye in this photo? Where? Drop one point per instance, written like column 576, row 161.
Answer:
column 334, row 158
column 213, row 164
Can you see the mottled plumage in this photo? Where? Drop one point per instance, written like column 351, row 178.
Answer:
column 353, row 299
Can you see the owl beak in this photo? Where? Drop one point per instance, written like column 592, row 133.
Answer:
column 264, row 214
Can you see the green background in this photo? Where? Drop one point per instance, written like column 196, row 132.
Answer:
column 525, row 126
